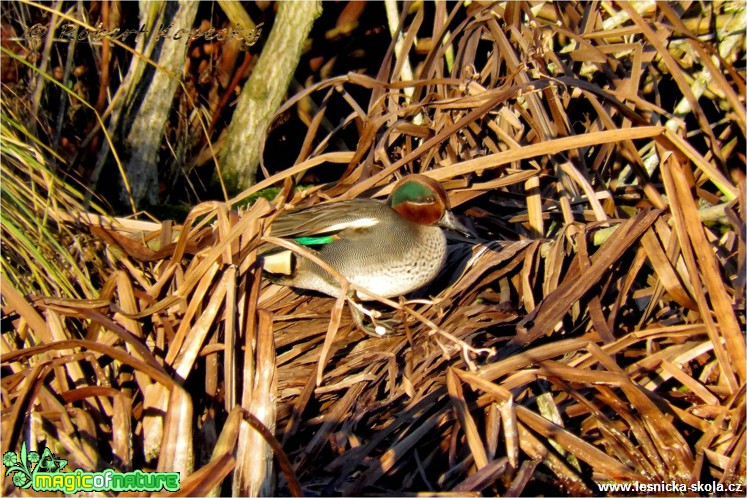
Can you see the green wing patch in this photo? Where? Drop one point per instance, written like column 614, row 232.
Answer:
column 315, row 241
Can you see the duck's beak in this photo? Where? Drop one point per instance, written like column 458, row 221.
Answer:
column 448, row 220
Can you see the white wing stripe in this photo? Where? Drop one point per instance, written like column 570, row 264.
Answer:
column 357, row 223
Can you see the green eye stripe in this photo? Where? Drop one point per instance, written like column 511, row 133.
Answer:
column 412, row 192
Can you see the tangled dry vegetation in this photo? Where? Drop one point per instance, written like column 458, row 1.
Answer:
column 593, row 333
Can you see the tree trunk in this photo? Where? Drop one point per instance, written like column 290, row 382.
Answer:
column 154, row 96
column 264, row 92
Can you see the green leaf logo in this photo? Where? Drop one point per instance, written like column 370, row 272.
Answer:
column 20, row 468
column 27, row 464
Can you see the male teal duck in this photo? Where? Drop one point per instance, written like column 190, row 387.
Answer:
column 388, row 247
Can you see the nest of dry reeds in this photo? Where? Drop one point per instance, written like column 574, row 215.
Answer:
column 593, row 333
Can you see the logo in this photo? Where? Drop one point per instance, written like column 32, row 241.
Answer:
column 45, row 472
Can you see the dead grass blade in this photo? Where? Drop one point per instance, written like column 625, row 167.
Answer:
column 176, row 448
column 205, row 479
column 692, row 239
column 546, row 316
column 253, row 476
column 582, row 450
column 466, row 420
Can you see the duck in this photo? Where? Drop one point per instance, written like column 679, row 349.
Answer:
column 388, row 248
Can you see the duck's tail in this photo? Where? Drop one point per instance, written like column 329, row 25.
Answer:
column 280, row 262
